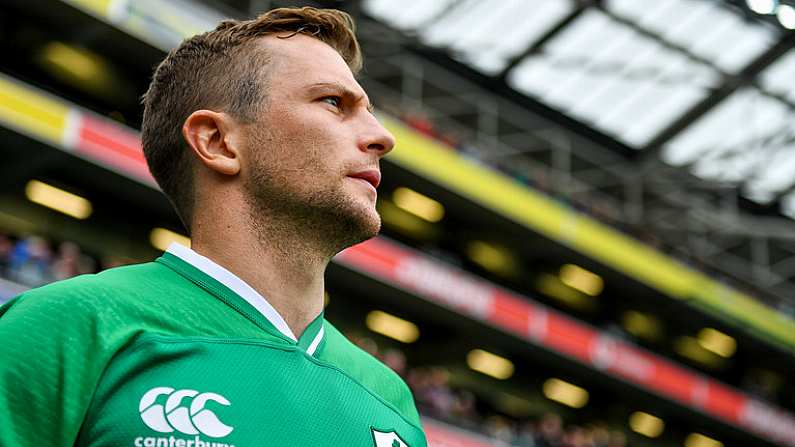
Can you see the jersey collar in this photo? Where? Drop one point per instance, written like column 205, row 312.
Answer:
column 313, row 335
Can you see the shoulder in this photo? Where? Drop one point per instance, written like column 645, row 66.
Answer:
column 63, row 333
column 89, row 317
column 369, row 372
column 348, row 355
column 87, row 297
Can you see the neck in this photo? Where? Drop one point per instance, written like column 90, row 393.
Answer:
column 279, row 264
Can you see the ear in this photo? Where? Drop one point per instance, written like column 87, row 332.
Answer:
column 211, row 137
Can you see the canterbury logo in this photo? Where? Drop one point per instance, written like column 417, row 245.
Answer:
column 176, row 416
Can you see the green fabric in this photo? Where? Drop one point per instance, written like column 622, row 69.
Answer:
column 78, row 357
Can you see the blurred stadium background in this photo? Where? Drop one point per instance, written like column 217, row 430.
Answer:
column 588, row 221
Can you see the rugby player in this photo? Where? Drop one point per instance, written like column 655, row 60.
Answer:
column 267, row 146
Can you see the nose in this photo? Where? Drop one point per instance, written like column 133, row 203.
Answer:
column 375, row 137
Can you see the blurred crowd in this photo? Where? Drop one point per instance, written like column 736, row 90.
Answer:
column 32, row 260
column 594, row 206
column 436, row 397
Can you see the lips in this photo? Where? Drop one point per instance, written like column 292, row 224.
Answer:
column 372, row 176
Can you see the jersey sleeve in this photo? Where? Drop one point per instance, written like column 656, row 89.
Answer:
column 51, row 357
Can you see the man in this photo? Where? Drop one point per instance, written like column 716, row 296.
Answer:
column 266, row 145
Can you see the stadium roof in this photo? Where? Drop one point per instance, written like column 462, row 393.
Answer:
column 703, row 85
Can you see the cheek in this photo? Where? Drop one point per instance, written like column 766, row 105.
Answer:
column 318, row 149
column 309, row 144
column 307, row 165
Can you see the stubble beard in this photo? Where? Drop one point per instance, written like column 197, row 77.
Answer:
column 297, row 221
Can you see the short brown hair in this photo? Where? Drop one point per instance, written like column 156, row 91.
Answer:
column 218, row 70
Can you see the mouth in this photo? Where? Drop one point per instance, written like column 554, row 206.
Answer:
column 371, row 176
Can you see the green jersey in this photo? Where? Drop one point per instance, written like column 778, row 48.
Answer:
column 181, row 352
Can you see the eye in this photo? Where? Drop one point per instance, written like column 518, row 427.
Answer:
column 335, row 101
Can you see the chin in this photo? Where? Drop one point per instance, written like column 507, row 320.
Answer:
column 348, row 223
column 365, row 224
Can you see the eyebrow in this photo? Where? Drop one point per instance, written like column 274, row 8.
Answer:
column 345, row 92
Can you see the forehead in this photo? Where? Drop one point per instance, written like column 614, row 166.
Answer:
column 300, row 61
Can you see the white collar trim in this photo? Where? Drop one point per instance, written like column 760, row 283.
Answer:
column 315, row 342
column 237, row 285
